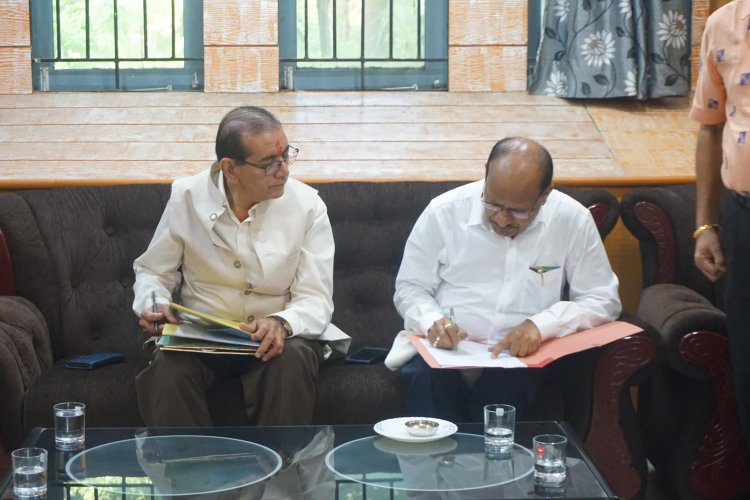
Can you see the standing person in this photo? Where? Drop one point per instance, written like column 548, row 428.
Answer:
column 244, row 242
column 498, row 254
column 722, row 107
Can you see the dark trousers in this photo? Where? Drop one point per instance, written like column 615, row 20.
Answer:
column 735, row 236
column 445, row 394
column 172, row 389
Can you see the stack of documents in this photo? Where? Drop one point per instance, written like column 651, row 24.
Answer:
column 204, row 333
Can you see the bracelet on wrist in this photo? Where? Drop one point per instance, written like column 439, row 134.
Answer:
column 706, row 227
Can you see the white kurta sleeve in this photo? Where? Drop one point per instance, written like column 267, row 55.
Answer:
column 418, row 279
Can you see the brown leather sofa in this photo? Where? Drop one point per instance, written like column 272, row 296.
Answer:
column 687, row 408
column 66, row 276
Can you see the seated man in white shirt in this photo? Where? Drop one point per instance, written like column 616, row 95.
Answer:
column 490, row 261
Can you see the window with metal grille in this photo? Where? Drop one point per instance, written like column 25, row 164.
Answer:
column 363, row 44
column 117, row 44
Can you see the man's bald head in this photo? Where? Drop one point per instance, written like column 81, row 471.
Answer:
column 529, row 158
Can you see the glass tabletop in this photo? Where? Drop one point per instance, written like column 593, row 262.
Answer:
column 175, row 465
column 452, row 463
column 130, row 462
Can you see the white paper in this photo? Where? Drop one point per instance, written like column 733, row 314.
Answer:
column 471, row 354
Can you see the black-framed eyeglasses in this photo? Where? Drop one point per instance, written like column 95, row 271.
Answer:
column 271, row 168
column 494, row 209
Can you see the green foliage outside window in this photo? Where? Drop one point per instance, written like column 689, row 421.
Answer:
column 406, row 37
column 130, row 32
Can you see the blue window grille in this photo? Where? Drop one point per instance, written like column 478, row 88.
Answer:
column 111, row 45
column 363, row 44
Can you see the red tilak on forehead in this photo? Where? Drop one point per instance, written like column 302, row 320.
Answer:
column 278, row 148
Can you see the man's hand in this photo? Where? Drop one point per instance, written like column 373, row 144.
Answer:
column 445, row 334
column 522, row 340
column 269, row 333
column 153, row 322
column 709, row 257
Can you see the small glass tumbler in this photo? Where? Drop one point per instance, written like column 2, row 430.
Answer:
column 499, row 430
column 29, row 472
column 70, row 425
column 550, row 453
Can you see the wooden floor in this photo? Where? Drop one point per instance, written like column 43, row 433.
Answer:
column 59, row 139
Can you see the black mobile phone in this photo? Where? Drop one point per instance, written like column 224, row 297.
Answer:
column 91, row 361
column 366, row 355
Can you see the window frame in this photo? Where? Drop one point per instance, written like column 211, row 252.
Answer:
column 434, row 63
column 189, row 77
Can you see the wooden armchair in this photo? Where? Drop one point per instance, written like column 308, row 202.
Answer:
column 687, row 409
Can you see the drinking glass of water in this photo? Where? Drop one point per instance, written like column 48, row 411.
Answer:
column 70, row 425
column 499, row 429
column 550, row 453
column 29, row 472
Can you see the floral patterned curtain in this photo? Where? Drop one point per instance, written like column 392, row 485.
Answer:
column 613, row 48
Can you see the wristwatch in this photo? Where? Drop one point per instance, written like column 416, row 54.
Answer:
column 284, row 324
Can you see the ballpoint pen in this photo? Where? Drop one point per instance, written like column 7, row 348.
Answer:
column 453, row 321
column 154, row 309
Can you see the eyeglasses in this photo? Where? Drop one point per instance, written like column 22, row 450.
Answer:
column 514, row 213
column 271, row 168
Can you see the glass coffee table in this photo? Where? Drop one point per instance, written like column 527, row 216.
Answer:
column 312, row 462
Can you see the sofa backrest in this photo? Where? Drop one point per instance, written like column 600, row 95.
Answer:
column 73, row 252
column 73, row 249
column 371, row 222
column 662, row 218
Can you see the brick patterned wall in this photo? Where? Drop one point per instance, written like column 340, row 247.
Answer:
column 486, row 45
column 15, row 47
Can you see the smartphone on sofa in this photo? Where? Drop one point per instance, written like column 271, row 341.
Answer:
column 91, row 361
column 366, row 355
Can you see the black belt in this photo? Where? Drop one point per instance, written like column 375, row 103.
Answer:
column 742, row 200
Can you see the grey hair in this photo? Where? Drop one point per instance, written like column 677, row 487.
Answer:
column 249, row 120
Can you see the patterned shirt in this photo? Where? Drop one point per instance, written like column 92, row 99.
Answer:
column 723, row 91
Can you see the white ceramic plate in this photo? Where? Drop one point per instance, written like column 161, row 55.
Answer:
column 394, row 428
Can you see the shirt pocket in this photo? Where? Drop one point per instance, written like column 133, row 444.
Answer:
column 543, row 286
column 280, row 269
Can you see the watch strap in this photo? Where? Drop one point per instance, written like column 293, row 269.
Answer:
column 284, row 324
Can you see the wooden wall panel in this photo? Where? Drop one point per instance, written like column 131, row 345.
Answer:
column 487, row 68
column 14, row 23
column 242, row 69
column 15, row 70
column 487, row 45
column 488, row 22
column 241, row 45
column 240, row 22
column 701, row 11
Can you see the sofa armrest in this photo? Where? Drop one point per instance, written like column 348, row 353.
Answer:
column 7, row 273
column 694, row 335
column 674, row 311
column 25, row 352
column 614, row 439
column 722, row 460
column 4, row 461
